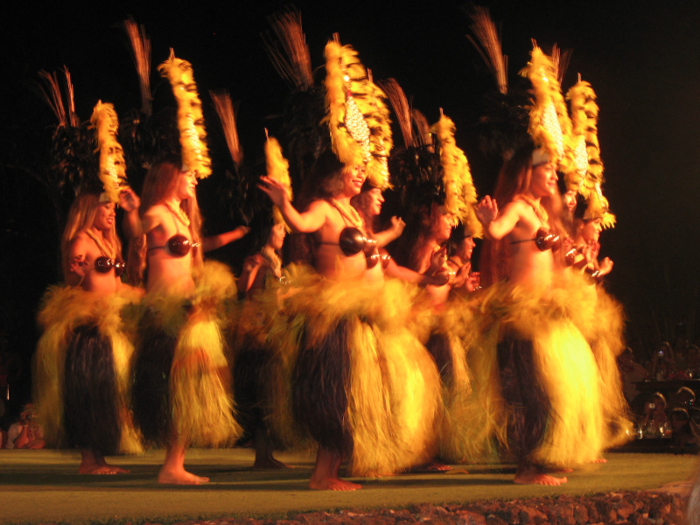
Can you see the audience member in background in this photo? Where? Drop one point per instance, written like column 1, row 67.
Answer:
column 662, row 362
column 631, row 373
column 25, row 433
column 685, row 399
column 654, row 422
column 685, row 437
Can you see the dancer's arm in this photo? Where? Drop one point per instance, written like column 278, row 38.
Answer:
column 392, row 233
column 308, row 222
column 498, row 225
column 130, row 203
column 217, row 241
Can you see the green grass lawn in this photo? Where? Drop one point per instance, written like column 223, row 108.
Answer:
column 44, row 485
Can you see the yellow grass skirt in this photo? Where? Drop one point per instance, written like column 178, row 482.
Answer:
column 350, row 376
column 64, row 310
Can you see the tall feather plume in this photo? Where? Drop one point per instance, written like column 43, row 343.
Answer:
column 278, row 169
column 227, row 116
column 549, row 116
column 592, row 182
column 190, row 121
column 112, row 165
column 141, row 53
column 561, row 59
column 490, row 49
column 357, row 117
column 422, row 135
column 402, row 109
column 577, row 98
column 460, row 194
column 52, row 96
column 289, row 53
column 70, row 96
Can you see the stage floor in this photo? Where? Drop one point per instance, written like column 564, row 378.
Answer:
column 44, row 485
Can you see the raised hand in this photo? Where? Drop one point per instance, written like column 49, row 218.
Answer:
column 487, row 210
column 397, row 225
column 128, row 200
column 274, row 189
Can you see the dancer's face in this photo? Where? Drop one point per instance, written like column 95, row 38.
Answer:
column 442, row 223
column 467, row 248
column 104, row 218
column 543, row 182
column 376, row 199
column 186, row 185
column 570, row 200
column 277, row 235
column 353, row 179
column 590, row 230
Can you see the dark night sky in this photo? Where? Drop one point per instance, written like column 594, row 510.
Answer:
column 642, row 60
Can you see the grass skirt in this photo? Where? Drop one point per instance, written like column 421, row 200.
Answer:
column 350, row 376
column 182, row 380
column 252, row 357
column 81, row 371
column 445, row 333
column 601, row 320
column 549, row 410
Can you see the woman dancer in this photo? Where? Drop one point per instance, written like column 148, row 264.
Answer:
column 80, row 379
column 326, row 219
column 548, row 377
column 181, row 393
column 81, row 363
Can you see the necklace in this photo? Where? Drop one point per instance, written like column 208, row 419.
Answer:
column 179, row 213
column 107, row 252
column 349, row 214
column 537, row 208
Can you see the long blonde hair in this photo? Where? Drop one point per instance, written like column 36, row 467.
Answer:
column 160, row 181
column 80, row 217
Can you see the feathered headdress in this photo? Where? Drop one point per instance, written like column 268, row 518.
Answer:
column 278, row 169
column 190, row 121
column 577, row 140
column 112, row 165
column 358, row 119
column 549, row 117
column 460, row 194
column 584, row 112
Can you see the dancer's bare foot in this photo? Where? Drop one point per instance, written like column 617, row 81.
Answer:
column 599, row 460
column 114, row 468
column 332, row 484
column 179, row 477
column 264, row 460
column 530, row 476
column 93, row 463
column 431, row 466
column 269, row 464
column 98, row 470
column 325, row 474
column 173, row 470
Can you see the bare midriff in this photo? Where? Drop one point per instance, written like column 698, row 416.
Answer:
column 331, row 262
column 169, row 275
column 530, row 266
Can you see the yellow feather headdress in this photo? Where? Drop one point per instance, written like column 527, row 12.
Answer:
column 549, row 116
column 577, row 140
column 190, row 121
column 356, row 114
column 112, row 165
column 278, row 169
column 584, row 111
column 460, row 194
